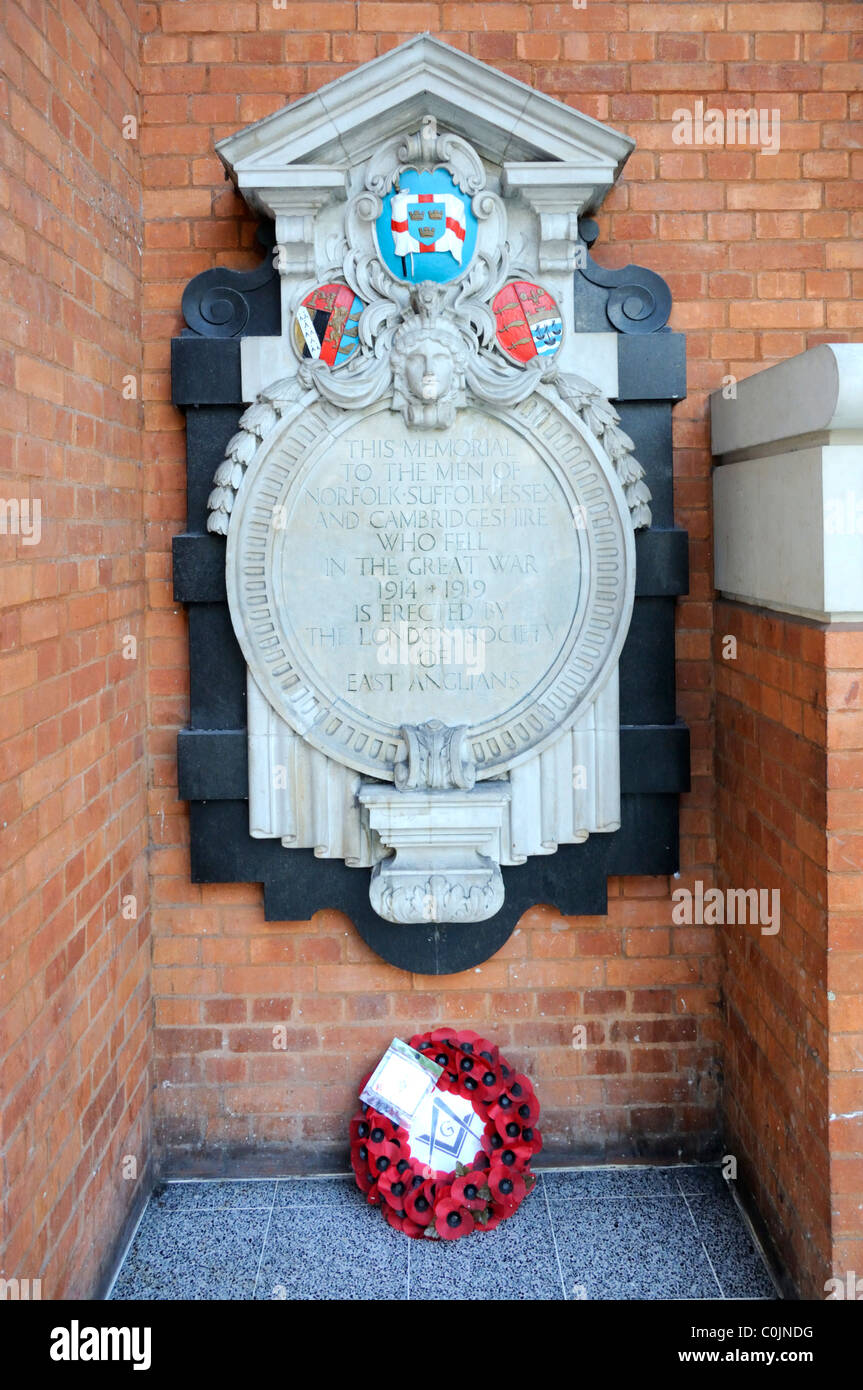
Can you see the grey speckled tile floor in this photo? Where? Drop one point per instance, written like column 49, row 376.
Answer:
column 593, row 1233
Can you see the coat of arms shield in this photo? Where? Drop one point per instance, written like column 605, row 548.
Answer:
column 427, row 230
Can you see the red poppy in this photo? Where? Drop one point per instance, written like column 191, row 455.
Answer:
column 381, row 1130
column 361, row 1150
column 394, row 1188
column 492, row 1143
column 359, row 1129
column 516, row 1155
column 504, row 1149
column 507, row 1187
column 505, row 1122
column 445, row 1051
column 494, row 1216
column 403, row 1224
column 379, row 1136
column 487, row 1051
column 532, row 1139
column 466, row 1190
column 383, row 1156
column 488, row 1084
column 525, row 1106
column 431, row 1050
column 449, row 1081
column 361, row 1173
column 373, row 1196
column 452, row 1220
column 470, row 1071
column 420, row 1203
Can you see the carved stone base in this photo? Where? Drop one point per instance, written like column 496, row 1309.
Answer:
column 446, row 864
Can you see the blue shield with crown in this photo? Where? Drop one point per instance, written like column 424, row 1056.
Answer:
column 427, row 230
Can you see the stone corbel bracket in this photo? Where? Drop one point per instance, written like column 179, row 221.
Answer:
column 639, row 301
column 557, row 193
column 444, row 831
column 295, row 207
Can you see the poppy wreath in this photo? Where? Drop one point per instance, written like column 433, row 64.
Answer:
column 421, row 1202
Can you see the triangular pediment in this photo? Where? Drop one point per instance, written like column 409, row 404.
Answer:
column 510, row 124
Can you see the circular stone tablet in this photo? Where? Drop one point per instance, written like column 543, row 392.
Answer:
column 380, row 575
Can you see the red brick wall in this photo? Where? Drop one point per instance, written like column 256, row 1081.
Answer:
column 771, row 773
column 844, row 699
column 789, row 769
column 74, row 1031
column 759, row 253
column 763, row 257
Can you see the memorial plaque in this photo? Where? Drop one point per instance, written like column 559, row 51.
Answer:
column 430, row 533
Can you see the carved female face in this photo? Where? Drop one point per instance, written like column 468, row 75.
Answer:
column 428, row 370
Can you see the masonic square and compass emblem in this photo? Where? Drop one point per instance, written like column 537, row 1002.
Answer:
column 427, row 229
column 445, row 1130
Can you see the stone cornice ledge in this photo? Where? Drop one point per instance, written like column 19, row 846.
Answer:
column 818, row 392
column 788, row 496
column 506, row 120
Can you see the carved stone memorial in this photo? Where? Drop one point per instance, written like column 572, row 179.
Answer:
column 429, row 506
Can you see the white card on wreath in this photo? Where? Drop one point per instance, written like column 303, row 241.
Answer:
column 400, row 1083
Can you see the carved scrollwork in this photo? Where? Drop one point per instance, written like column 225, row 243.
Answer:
column 436, row 758
column 359, row 384
column 219, row 303
column 639, row 300
column 426, row 149
column 472, row 302
column 437, row 899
